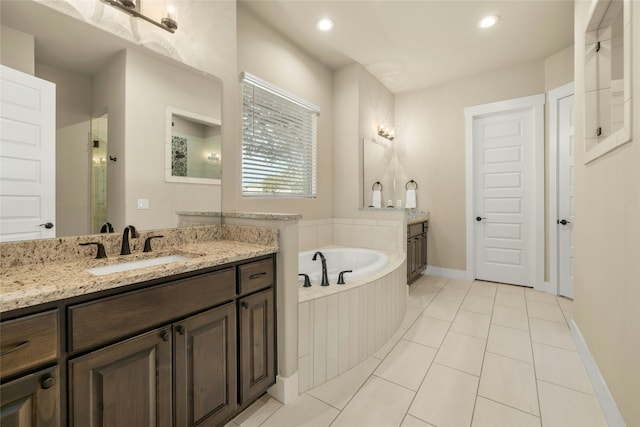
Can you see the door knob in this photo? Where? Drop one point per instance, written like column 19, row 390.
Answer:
column 563, row 222
column 480, row 218
column 47, row 225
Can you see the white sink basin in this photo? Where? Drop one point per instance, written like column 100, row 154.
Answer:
column 133, row 265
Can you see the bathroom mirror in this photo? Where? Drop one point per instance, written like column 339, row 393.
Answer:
column 193, row 148
column 115, row 92
column 379, row 164
column 607, row 77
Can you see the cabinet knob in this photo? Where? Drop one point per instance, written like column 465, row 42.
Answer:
column 244, row 304
column 180, row 329
column 48, row 382
column 165, row 336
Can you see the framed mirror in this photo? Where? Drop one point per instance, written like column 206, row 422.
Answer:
column 110, row 119
column 607, row 77
column 193, row 148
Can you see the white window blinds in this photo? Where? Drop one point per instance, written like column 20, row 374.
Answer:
column 278, row 142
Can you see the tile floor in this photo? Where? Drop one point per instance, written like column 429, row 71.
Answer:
column 467, row 354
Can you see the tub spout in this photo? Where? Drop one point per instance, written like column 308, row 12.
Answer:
column 325, row 278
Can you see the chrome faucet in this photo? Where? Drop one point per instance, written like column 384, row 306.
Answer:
column 125, row 239
column 325, row 278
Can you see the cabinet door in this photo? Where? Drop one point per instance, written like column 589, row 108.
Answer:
column 32, row 400
column 257, row 340
column 412, row 259
column 205, row 367
column 423, row 251
column 126, row 384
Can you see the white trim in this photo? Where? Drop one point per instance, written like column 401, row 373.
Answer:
column 285, row 390
column 605, row 398
column 448, row 273
column 555, row 96
column 536, row 103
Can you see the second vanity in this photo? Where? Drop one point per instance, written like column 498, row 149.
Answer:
column 190, row 342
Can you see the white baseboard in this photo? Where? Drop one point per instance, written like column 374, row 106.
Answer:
column 607, row 403
column 285, row 390
column 449, row 273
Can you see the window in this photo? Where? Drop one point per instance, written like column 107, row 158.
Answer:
column 278, row 142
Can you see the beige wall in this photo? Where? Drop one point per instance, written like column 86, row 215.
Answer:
column 17, row 50
column 152, row 86
column 607, row 243
column 73, row 153
column 265, row 53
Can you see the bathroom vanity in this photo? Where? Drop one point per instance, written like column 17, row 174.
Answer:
column 188, row 343
column 416, row 249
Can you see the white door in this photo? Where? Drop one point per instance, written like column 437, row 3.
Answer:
column 565, row 197
column 27, row 156
column 503, row 151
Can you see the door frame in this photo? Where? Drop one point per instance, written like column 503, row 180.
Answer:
column 536, row 104
column 555, row 96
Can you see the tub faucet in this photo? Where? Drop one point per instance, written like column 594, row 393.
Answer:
column 325, row 278
column 125, row 250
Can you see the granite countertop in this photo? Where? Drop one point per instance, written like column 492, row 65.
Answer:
column 32, row 284
column 415, row 216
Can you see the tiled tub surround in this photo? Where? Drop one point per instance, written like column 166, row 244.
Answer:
column 339, row 326
column 384, row 234
column 36, row 272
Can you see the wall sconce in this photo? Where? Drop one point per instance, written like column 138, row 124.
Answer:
column 386, row 133
column 213, row 156
column 132, row 7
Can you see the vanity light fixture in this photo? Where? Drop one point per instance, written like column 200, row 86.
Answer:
column 386, row 132
column 213, row 156
column 132, row 7
column 488, row 21
column 325, row 24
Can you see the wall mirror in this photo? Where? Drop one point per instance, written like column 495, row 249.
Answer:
column 379, row 164
column 111, row 100
column 193, row 148
column 607, row 77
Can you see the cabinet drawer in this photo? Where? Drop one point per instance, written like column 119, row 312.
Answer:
column 255, row 275
column 28, row 342
column 415, row 229
column 107, row 319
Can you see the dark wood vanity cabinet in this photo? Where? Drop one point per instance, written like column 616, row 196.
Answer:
column 185, row 352
column 29, row 344
column 257, row 342
column 205, row 365
column 32, row 400
column 130, row 383
column 125, row 384
column 416, row 250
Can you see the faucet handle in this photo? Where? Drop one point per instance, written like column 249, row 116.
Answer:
column 341, row 276
column 307, row 282
column 147, row 242
column 101, row 251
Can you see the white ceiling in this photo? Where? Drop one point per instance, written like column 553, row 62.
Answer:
column 410, row 45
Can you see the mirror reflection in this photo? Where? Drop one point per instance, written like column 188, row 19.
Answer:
column 193, row 149
column 110, row 126
column 607, row 78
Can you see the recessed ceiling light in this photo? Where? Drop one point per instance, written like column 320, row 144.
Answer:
column 324, row 24
column 488, row 21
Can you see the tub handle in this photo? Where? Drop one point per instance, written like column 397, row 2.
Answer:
column 307, row 282
column 341, row 276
